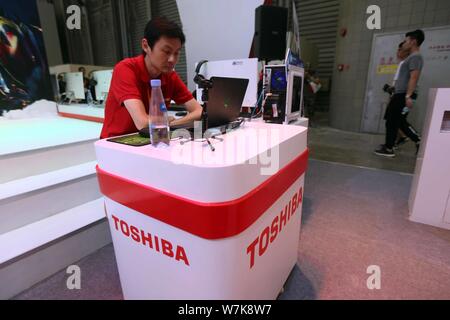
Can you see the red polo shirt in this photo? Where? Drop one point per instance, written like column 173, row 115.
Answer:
column 130, row 80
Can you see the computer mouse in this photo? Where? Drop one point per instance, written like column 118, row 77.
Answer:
column 181, row 113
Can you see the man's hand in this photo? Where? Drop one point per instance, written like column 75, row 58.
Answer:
column 194, row 113
column 409, row 102
column 170, row 119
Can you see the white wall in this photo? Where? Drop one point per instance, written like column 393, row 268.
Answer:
column 216, row 30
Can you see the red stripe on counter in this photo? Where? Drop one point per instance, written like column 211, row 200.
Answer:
column 80, row 117
column 207, row 220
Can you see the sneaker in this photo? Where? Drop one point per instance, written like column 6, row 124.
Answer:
column 385, row 152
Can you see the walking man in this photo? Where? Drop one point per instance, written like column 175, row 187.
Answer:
column 405, row 86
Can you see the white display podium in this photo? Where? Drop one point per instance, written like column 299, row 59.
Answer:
column 429, row 201
column 189, row 223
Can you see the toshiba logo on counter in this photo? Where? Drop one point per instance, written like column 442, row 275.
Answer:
column 270, row 233
column 152, row 241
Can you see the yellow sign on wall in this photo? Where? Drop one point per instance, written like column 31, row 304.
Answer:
column 387, row 69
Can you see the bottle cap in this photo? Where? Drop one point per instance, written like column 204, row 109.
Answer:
column 155, row 83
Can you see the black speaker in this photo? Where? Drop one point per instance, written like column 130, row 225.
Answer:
column 270, row 32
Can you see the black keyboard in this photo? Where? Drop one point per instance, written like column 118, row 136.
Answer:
column 144, row 132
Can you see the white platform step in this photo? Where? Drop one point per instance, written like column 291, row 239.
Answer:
column 34, row 198
column 45, row 180
column 20, row 274
column 51, row 208
column 34, row 235
column 82, row 110
column 39, row 133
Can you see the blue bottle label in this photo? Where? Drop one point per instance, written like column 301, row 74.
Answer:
column 162, row 107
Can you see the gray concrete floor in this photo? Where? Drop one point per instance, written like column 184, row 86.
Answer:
column 352, row 218
column 328, row 144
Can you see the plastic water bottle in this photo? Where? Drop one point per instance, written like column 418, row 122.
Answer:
column 158, row 119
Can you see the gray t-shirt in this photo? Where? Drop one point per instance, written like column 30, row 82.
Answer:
column 413, row 62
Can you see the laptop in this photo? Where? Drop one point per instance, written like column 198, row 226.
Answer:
column 224, row 105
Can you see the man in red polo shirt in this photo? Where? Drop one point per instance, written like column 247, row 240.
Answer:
column 127, row 104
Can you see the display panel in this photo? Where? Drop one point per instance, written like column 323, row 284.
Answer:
column 241, row 68
column 24, row 76
column 278, row 81
column 296, row 93
column 75, row 85
column 103, row 79
column 135, row 140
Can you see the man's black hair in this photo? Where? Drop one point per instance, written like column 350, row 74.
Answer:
column 417, row 35
column 161, row 26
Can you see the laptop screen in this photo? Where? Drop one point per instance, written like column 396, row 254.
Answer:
column 224, row 103
column 225, row 100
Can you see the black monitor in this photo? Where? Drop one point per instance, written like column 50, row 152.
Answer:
column 296, row 93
